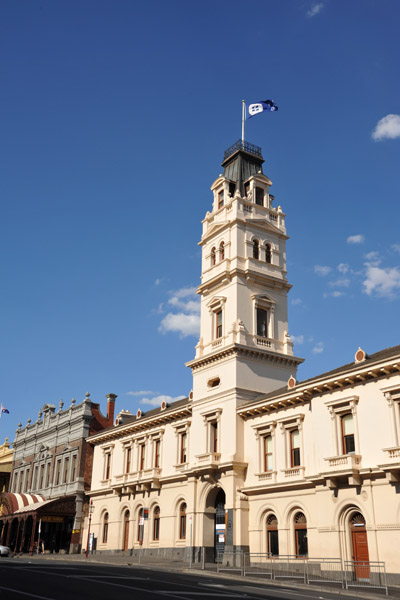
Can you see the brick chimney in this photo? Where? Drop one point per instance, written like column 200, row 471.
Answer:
column 110, row 407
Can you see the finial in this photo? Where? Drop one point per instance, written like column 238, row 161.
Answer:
column 61, row 403
column 19, row 425
column 73, row 401
column 87, row 395
column 40, row 414
column 29, row 421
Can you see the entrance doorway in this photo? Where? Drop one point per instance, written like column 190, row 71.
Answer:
column 360, row 546
column 220, row 523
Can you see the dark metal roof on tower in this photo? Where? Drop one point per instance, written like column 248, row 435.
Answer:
column 241, row 161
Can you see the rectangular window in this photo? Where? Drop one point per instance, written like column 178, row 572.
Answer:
column 218, row 323
column 157, row 449
column 262, row 327
column 183, row 440
column 128, row 460
column 214, row 437
column 66, row 469
column 107, row 469
column 58, row 471
column 41, row 480
column 348, row 434
column 268, row 453
column 73, row 467
column 48, row 474
column 221, row 199
column 28, row 471
column 295, row 448
column 142, row 456
column 232, row 187
column 156, row 525
column 246, row 188
column 259, row 196
column 21, row 481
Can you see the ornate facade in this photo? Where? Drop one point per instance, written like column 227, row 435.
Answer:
column 253, row 459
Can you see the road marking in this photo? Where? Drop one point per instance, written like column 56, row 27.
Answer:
column 200, row 593
column 25, row 593
column 100, row 576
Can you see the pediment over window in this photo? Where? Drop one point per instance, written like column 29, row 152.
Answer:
column 263, row 299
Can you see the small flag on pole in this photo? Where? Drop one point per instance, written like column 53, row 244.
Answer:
column 4, row 410
column 258, row 107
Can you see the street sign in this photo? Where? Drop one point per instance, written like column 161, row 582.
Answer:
column 141, row 521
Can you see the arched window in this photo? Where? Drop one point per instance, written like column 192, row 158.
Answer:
column 268, row 253
column 182, row 521
column 125, row 540
column 105, row 528
column 272, row 536
column 213, row 255
column 256, row 249
column 156, row 523
column 221, row 251
column 140, row 525
column 300, row 534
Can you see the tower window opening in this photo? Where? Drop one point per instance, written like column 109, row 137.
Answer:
column 221, row 251
column 221, row 199
column 246, row 188
column 256, row 249
column 214, row 437
column 268, row 253
column 213, row 255
column 212, row 383
column 259, row 196
column 232, row 188
column 262, row 325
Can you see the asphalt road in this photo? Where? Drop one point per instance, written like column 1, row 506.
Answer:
column 25, row 580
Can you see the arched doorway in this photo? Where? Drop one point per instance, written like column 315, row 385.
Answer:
column 214, row 523
column 300, row 534
column 272, row 536
column 359, row 541
column 220, row 523
column 125, row 531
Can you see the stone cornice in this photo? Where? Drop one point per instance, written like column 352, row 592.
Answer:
column 237, row 351
column 249, row 274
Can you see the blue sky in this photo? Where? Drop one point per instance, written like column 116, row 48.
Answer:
column 115, row 116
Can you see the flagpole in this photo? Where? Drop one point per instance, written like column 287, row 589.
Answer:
column 243, row 117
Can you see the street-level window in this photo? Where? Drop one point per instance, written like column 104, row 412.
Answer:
column 105, row 528
column 300, row 532
column 140, row 525
column 156, row 523
column 268, row 466
column 182, row 521
column 348, row 434
column 295, row 448
column 262, row 323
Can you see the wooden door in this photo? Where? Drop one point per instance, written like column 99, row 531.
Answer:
column 361, row 554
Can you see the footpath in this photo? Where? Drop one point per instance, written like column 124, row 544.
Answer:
column 134, row 560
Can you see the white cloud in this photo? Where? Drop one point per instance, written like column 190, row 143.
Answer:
column 140, row 393
column 396, row 247
column 382, row 282
column 297, row 339
column 157, row 400
column 337, row 294
column 315, row 9
column 355, row 239
column 343, row 268
column 186, row 321
column 296, row 301
column 387, row 128
column 343, row 282
column 180, row 323
column 322, row 270
column 318, row 348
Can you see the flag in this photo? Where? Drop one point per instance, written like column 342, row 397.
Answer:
column 258, row 107
column 4, row 410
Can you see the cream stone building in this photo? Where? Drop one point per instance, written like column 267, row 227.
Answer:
column 253, row 459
